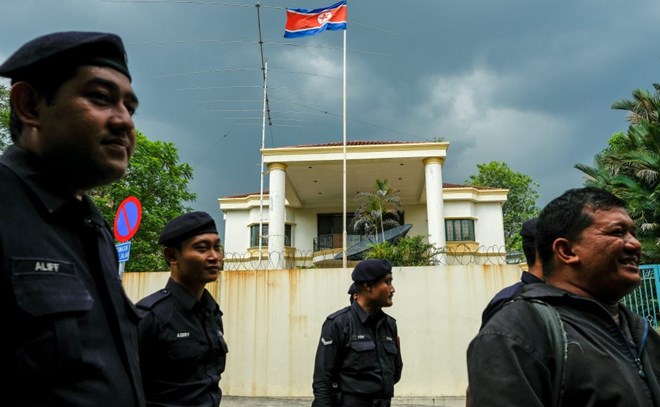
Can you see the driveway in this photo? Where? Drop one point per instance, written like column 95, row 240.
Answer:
column 233, row 401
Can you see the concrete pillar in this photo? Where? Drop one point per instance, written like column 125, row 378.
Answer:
column 434, row 201
column 276, row 211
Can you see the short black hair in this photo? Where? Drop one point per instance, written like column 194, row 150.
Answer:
column 568, row 215
column 528, row 233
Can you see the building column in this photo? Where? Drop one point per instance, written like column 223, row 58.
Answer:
column 276, row 211
column 434, row 201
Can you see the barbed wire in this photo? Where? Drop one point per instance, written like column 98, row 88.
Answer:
column 460, row 254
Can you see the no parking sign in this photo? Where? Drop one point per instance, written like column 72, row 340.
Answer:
column 127, row 219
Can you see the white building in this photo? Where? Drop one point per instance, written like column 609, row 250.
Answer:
column 302, row 211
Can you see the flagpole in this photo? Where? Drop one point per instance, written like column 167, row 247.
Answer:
column 296, row 26
column 264, row 69
column 345, row 237
column 261, row 171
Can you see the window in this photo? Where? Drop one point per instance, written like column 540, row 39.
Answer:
column 457, row 230
column 254, row 235
column 331, row 223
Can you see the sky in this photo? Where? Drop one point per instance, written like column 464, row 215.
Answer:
column 527, row 82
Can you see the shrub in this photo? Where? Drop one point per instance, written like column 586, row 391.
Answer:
column 408, row 251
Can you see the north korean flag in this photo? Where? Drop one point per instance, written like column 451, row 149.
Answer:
column 301, row 22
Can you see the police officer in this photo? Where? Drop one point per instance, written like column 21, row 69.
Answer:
column 182, row 348
column 358, row 359
column 71, row 334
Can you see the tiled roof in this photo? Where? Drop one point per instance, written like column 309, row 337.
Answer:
column 245, row 195
column 355, row 143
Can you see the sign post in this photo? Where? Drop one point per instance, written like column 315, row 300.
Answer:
column 127, row 222
column 123, row 252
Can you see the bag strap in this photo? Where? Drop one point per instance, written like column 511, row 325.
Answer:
column 557, row 334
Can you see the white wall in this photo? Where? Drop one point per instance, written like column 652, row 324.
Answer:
column 416, row 215
column 237, row 234
column 305, row 229
column 460, row 209
column 489, row 227
column 273, row 320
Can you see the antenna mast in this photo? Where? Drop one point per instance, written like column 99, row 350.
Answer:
column 266, row 112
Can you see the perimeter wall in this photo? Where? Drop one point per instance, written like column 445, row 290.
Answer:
column 272, row 321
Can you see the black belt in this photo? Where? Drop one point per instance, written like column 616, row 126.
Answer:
column 353, row 401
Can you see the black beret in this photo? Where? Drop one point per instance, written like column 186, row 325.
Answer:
column 187, row 225
column 371, row 270
column 352, row 289
column 66, row 49
column 528, row 230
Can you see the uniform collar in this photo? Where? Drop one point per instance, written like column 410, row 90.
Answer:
column 529, row 278
column 542, row 291
column 188, row 301
column 362, row 314
column 27, row 167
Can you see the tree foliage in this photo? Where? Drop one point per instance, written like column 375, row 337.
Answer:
column 377, row 211
column 160, row 182
column 407, row 251
column 629, row 167
column 520, row 204
column 5, row 139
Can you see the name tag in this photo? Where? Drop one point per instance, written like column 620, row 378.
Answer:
column 26, row 266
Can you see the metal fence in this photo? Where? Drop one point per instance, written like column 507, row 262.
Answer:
column 644, row 300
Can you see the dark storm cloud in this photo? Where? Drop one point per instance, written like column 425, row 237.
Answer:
column 526, row 82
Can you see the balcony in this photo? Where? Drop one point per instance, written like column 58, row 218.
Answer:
column 335, row 241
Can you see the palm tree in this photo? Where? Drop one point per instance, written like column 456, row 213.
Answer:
column 377, row 210
column 643, row 107
column 630, row 167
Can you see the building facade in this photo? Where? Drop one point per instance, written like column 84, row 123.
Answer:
column 300, row 219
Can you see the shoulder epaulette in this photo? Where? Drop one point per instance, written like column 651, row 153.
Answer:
column 149, row 301
column 338, row 313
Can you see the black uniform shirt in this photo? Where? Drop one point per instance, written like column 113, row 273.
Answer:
column 183, row 351
column 357, row 355
column 70, row 331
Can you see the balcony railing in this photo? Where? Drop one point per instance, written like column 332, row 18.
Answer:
column 334, row 241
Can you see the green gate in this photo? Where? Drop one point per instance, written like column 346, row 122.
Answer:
column 644, row 300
